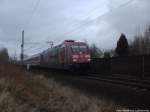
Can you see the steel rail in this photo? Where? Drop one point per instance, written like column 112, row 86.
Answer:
column 140, row 84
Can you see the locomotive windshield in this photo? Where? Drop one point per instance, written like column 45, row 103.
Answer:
column 80, row 48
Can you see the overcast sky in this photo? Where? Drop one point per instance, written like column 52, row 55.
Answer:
column 94, row 21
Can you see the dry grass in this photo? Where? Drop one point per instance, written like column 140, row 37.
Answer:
column 21, row 93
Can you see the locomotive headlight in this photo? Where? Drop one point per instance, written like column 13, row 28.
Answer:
column 74, row 60
column 89, row 59
column 75, row 56
column 87, row 56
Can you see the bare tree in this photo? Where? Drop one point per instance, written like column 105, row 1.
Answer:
column 4, row 54
column 95, row 51
column 107, row 54
column 141, row 43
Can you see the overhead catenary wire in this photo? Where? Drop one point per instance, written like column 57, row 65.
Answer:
column 80, row 25
column 32, row 44
column 33, row 48
column 87, row 16
column 27, row 23
column 99, row 17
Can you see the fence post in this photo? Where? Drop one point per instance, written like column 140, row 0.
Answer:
column 143, row 69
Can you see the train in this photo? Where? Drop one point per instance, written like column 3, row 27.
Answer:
column 70, row 54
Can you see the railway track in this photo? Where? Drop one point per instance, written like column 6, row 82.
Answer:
column 126, row 91
column 143, row 85
column 131, row 82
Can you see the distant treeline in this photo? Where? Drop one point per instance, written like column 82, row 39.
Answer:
column 4, row 54
column 140, row 45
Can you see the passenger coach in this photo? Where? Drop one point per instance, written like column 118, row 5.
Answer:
column 69, row 54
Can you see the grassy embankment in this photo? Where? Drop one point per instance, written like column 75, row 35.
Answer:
column 21, row 91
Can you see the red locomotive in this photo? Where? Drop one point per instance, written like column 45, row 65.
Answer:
column 69, row 54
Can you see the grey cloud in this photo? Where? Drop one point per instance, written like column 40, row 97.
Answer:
column 127, row 18
column 57, row 20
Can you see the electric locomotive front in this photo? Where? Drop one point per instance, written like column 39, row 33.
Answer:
column 77, row 54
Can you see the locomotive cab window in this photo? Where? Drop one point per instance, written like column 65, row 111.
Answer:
column 75, row 48
column 81, row 48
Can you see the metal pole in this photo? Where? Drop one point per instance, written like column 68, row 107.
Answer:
column 143, row 69
column 51, row 43
column 22, row 47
